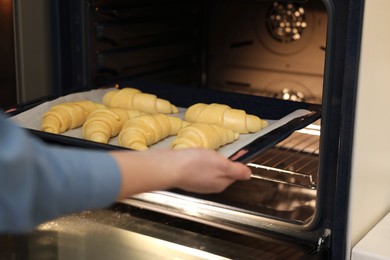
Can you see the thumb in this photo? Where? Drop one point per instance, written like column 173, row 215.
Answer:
column 239, row 171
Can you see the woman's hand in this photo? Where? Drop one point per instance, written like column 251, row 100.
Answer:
column 195, row 170
column 206, row 171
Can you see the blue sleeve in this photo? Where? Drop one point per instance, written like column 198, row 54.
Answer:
column 39, row 182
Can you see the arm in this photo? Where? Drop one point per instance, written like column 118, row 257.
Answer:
column 39, row 182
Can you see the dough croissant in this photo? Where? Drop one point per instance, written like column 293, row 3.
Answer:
column 67, row 115
column 140, row 132
column 104, row 123
column 131, row 98
column 203, row 135
column 235, row 119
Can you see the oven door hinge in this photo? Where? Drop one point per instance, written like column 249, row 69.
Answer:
column 324, row 239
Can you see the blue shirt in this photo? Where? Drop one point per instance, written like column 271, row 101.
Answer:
column 39, row 182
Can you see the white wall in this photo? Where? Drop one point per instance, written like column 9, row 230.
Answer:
column 370, row 186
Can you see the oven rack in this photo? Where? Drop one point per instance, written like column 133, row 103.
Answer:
column 294, row 161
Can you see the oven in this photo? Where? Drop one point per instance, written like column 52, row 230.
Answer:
column 269, row 57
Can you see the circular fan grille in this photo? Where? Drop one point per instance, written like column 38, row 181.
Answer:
column 286, row 22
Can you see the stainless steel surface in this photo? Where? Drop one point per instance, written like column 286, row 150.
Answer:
column 96, row 235
column 132, row 234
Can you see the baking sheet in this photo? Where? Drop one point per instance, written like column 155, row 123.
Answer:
column 31, row 119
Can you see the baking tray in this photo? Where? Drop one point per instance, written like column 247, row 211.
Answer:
column 284, row 117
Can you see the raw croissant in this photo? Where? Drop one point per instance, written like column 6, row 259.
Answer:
column 140, row 132
column 104, row 123
column 235, row 119
column 131, row 98
column 67, row 115
column 203, row 135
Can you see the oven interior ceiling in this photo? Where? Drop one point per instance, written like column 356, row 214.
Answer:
column 265, row 48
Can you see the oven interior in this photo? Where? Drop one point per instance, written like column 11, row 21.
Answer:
column 274, row 49
column 262, row 48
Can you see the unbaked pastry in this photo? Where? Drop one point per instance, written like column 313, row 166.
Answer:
column 105, row 123
column 140, row 132
column 131, row 98
column 235, row 119
column 204, row 135
column 67, row 115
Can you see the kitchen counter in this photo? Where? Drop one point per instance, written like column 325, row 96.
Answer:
column 376, row 244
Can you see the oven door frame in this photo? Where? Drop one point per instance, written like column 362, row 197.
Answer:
column 338, row 109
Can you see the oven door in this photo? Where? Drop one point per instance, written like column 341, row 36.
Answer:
column 233, row 224
column 130, row 233
column 276, row 231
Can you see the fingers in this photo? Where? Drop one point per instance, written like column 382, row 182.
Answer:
column 235, row 170
column 238, row 171
column 216, row 162
column 193, row 170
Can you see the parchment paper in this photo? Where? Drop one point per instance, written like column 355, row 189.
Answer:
column 31, row 119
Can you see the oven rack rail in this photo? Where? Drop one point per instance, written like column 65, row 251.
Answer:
column 293, row 162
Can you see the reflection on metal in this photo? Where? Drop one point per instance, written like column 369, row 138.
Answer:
column 204, row 211
column 131, row 233
column 88, row 236
column 311, row 130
